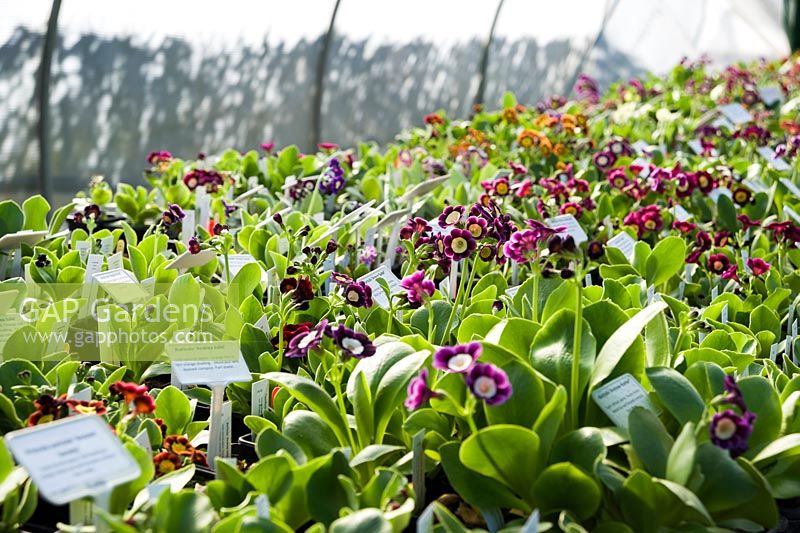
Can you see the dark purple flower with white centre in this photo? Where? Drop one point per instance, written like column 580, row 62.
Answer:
column 300, row 345
column 414, row 225
column 733, row 395
column 358, row 294
column 457, row 359
column 332, row 180
column 368, row 255
column 731, row 431
column 92, row 211
column 489, row 383
column 418, row 289
column 459, row 244
column 341, row 279
column 451, row 215
column 477, row 226
column 194, row 246
column 419, row 392
column 351, row 343
column 603, row 160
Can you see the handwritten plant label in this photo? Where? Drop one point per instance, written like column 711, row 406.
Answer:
column 203, row 363
column 83, row 247
column 107, row 245
column 769, row 154
column 73, row 458
column 618, row 397
column 736, row 114
column 15, row 240
column 573, row 228
column 378, row 295
column 259, row 397
column 190, row 260
column 121, row 285
column 624, row 243
column 115, row 261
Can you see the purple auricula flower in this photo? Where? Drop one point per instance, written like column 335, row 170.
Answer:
column 172, row 215
column 194, row 245
column 268, row 147
column 458, row 359
column 229, row 208
column 731, row 431
column 451, row 215
column 351, row 343
column 489, row 383
column 332, row 180
column 477, row 226
column 586, row 88
column 414, row 225
column 327, row 146
column 368, row 255
column 758, row 266
column 341, row 279
column 358, row 294
column 733, row 395
column 159, row 157
column 523, row 246
column 418, row 289
column 419, row 392
column 459, row 244
column 300, row 345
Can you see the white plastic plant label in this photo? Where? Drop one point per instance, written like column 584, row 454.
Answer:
column 83, row 247
column 190, row 260
column 204, row 363
column 107, row 245
column 259, row 397
column 378, row 295
column 424, row 188
column 719, row 191
column 219, row 438
column 770, row 95
column 115, row 261
column 15, row 240
column 769, row 154
column 791, row 187
column 736, row 114
column 73, row 458
column 618, row 397
column 624, row 243
column 573, row 228
column 680, row 214
column 121, row 285
column 188, row 226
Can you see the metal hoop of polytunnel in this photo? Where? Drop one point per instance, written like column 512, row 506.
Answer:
column 104, row 83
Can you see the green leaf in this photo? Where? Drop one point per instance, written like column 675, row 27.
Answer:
column 549, row 420
column 650, row 440
column 677, row 394
column 360, row 521
column 656, row 341
column 525, row 403
column 185, row 511
column 563, row 297
column 310, row 432
column 619, row 342
column 269, row 441
column 306, row 391
column 477, row 489
column 505, row 453
column 551, row 351
column 391, row 391
column 325, row 493
column 680, row 462
column 666, row 260
column 12, row 218
column 761, row 398
column 35, row 211
column 786, row 446
column 563, row 486
column 243, row 284
column 475, row 327
column 174, row 408
column 515, row 335
column 271, row 476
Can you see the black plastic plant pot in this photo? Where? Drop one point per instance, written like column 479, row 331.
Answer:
column 46, row 517
column 203, row 474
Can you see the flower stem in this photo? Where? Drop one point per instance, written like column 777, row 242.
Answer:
column 576, row 355
column 337, row 386
column 535, row 303
column 446, row 334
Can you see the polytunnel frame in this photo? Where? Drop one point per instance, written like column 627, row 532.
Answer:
column 50, row 40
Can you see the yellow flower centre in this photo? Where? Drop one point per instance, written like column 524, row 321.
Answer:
column 165, row 467
column 650, row 224
column 619, row 182
column 453, row 217
column 353, row 296
column 44, row 419
column 571, row 210
column 476, row 230
column 501, row 188
column 459, row 245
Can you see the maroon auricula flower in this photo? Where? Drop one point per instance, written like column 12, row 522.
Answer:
column 758, row 266
column 459, row 244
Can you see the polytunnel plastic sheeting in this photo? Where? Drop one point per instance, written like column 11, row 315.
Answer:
column 535, row 57
column 391, row 63
column 22, row 30
column 184, row 76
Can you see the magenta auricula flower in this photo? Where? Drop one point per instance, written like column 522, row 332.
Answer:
column 418, row 289
column 489, row 383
